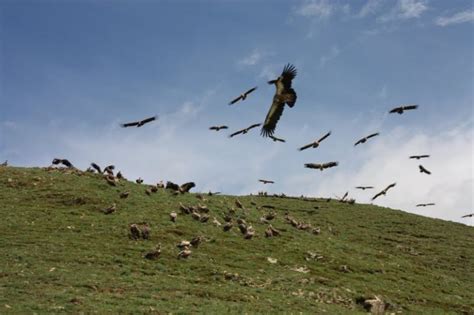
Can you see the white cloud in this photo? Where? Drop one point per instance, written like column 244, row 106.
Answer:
column 405, row 9
column 333, row 53
column 461, row 17
column 316, row 8
column 251, row 59
column 370, row 7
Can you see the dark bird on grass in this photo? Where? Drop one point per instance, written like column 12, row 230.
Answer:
column 154, row 254
column 217, row 128
column 110, row 209
column 212, row 193
column 383, row 192
column 423, row 170
column 227, row 226
column 470, row 215
column 238, row 204
column 363, row 140
column 344, row 197
column 196, row 241
column 250, row 233
column 425, row 204
column 63, row 162
column 364, row 187
column 284, row 94
column 242, row 96
column 265, row 181
column 185, row 253
column 316, row 143
column 4, row 163
column 119, row 175
column 135, row 232
column 139, row 123
column 401, row 109
column 139, row 180
column 419, row 156
column 275, row 139
column 244, row 131
column 109, row 169
column 124, row 194
column 321, row 166
column 111, row 180
column 186, row 187
column 173, row 216
column 96, row 167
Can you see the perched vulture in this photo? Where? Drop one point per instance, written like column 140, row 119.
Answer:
column 171, row 185
column 363, row 140
column 425, row 204
column 266, row 181
column 4, row 163
column 244, row 131
column 284, row 94
column 96, row 167
column 124, row 194
column 364, row 187
column 401, row 109
column 139, row 123
column 186, row 187
column 321, row 166
column 275, row 139
column 470, row 215
column 109, row 169
column 185, row 253
column 383, row 192
column 217, row 128
column 154, row 254
column 63, row 162
column 110, row 209
column 419, row 156
column 139, row 180
column 423, row 170
column 316, row 143
column 242, row 96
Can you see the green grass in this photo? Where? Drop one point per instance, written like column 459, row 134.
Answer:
column 60, row 253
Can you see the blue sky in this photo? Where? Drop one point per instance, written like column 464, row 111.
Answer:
column 71, row 71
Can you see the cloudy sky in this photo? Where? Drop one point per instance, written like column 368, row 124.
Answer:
column 72, row 71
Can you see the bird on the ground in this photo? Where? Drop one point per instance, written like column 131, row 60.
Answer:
column 423, row 170
column 363, row 140
column 154, row 254
column 425, row 204
column 265, row 181
column 134, row 232
column 196, row 241
column 186, row 187
column 96, row 167
column 321, row 166
column 185, row 253
column 139, row 123
column 139, row 180
column 4, row 163
column 419, row 156
column 173, row 216
column 109, row 169
column 383, row 192
column 364, row 187
column 110, row 209
column 120, row 176
column 275, row 139
column 244, row 131
column 242, row 96
column 401, row 109
column 217, row 128
column 124, row 195
column 284, row 94
column 316, row 143
column 64, row 162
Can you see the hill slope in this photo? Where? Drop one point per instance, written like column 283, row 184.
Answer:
column 59, row 253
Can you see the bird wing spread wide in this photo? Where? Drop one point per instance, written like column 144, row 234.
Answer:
column 273, row 115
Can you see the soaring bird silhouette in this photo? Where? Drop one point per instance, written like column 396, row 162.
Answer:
column 284, row 94
column 425, row 204
column 275, row 139
column 242, row 96
column 217, row 128
column 316, row 143
column 244, row 131
column 321, row 166
column 383, row 192
column 470, row 215
column 363, row 140
column 401, row 109
column 266, row 181
column 139, row 123
column 364, row 187
column 423, row 170
column 419, row 156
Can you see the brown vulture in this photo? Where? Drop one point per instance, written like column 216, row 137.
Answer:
column 139, row 123
column 275, row 139
column 423, row 170
column 383, row 192
column 316, row 143
column 139, row 180
column 186, row 187
column 4, row 163
column 217, row 128
column 321, row 166
column 110, row 209
column 96, row 167
column 109, row 170
column 124, row 194
column 154, row 254
column 401, row 109
column 244, row 131
column 364, row 187
column 363, row 140
column 63, row 162
column 284, row 94
column 266, row 181
column 419, row 156
column 242, row 96
column 425, row 204
column 470, row 215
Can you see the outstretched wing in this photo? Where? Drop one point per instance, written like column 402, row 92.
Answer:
column 372, row 135
column 306, row 147
column 390, row 186
column 288, row 74
column 377, row 195
column 214, row 128
column 253, row 126
column 235, row 100
column 236, row 133
column 147, row 120
column 277, row 139
column 96, row 167
column 250, row 91
column 325, row 136
column 396, row 110
column 273, row 115
column 359, row 141
column 130, row 124
column 312, row 165
column 330, row 164
column 409, row 107
column 223, row 127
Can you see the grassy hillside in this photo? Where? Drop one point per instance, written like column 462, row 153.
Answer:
column 60, row 253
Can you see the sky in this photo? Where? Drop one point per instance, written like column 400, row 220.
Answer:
column 72, row 71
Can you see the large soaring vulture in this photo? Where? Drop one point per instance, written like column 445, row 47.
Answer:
column 419, row 156
column 363, row 140
column 139, row 123
column 321, row 166
column 425, row 204
column 242, row 96
column 364, row 187
column 265, row 181
column 284, row 95
column 423, row 170
column 470, row 215
column 316, row 143
column 401, row 109
column 244, row 131
column 217, row 128
column 383, row 192
column 275, row 139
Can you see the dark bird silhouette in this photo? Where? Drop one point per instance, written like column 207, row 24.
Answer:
column 266, row 181
column 425, row 204
column 321, row 166
column 154, row 254
column 316, row 143
column 284, row 94
column 217, row 128
column 470, row 215
column 344, row 197
column 419, row 156
column 423, row 170
column 242, row 96
column 139, row 123
column 364, row 187
column 110, row 209
column 96, row 167
column 4, row 163
column 401, row 109
column 186, row 187
column 244, row 131
column 124, row 195
column 363, row 140
column 383, row 192
column 139, row 180
column 109, row 169
column 275, row 139
column 63, row 162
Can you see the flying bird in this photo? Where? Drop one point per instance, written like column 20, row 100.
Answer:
column 277, row 139
column 266, row 181
column 401, row 109
column 217, row 128
column 316, row 143
column 242, row 96
column 423, row 170
column 321, row 166
column 364, row 187
column 139, row 123
column 383, row 192
column 425, row 204
column 419, row 156
column 363, row 140
column 244, row 131
column 284, row 94
column 470, row 215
